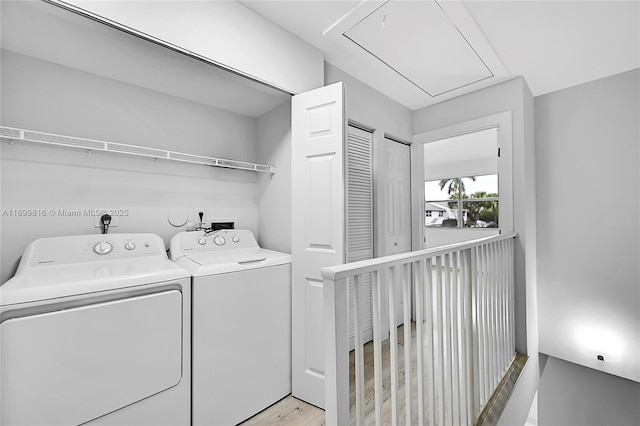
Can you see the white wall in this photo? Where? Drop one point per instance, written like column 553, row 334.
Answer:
column 223, row 32
column 372, row 109
column 274, row 197
column 513, row 96
column 588, row 158
column 43, row 96
column 572, row 395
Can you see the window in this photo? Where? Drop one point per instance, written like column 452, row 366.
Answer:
column 480, row 147
column 462, row 202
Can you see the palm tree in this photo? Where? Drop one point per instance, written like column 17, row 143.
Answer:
column 456, row 190
column 455, row 186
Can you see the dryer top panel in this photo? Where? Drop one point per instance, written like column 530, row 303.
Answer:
column 90, row 248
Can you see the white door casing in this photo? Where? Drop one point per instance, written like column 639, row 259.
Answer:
column 318, row 226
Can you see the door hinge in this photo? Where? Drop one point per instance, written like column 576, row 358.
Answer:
column 498, row 152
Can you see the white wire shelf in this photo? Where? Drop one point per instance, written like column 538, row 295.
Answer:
column 13, row 135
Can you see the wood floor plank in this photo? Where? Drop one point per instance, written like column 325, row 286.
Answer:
column 289, row 411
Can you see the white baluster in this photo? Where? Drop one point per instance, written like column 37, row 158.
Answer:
column 482, row 325
column 377, row 344
column 419, row 280
column 476, row 348
column 504, row 304
column 431, row 355
column 406, row 299
column 447, row 331
column 438, row 310
column 467, row 339
column 499, row 306
column 455, row 359
column 512, row 344
column 359, row 350
column 493, row 297
column 393, row 344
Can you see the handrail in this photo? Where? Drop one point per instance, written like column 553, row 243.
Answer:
column 338, row 272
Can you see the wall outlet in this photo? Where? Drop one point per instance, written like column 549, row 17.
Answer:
column 96, row 219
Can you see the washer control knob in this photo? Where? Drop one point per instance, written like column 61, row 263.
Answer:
column 235, row 239
column 129, row 245
column 219, row 240
column 202, row 241
column 102, row 247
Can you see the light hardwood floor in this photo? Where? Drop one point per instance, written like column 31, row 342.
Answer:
column 294, row 412
column 288, row 412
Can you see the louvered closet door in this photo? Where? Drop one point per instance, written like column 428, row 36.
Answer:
column 359, row 173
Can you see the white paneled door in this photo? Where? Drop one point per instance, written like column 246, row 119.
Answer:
column 397, row 187
column 318, row 226
column 397, row 197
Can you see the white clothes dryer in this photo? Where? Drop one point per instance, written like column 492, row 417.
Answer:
column 96, row 329
column 241, row 324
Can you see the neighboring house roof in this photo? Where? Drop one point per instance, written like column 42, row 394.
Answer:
column 435, row 207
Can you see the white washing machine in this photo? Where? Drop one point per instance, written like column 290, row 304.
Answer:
column 241, row 324
column 96, row 329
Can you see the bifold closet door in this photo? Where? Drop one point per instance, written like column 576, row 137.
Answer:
column 317, row 227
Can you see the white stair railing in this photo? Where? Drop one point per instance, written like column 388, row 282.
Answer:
column 457, row 334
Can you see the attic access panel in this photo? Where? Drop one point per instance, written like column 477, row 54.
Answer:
column 418, row 41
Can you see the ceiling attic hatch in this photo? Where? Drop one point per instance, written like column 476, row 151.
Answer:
column 420, row 42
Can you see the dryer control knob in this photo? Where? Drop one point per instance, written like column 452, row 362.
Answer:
column 129, row 246
column 235, row 239
column 219, row 240
column 202, row 241
column 102, row 247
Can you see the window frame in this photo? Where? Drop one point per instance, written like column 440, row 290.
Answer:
column 503, row 122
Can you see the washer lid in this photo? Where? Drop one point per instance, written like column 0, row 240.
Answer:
column 210, row 263
column 51, row 282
